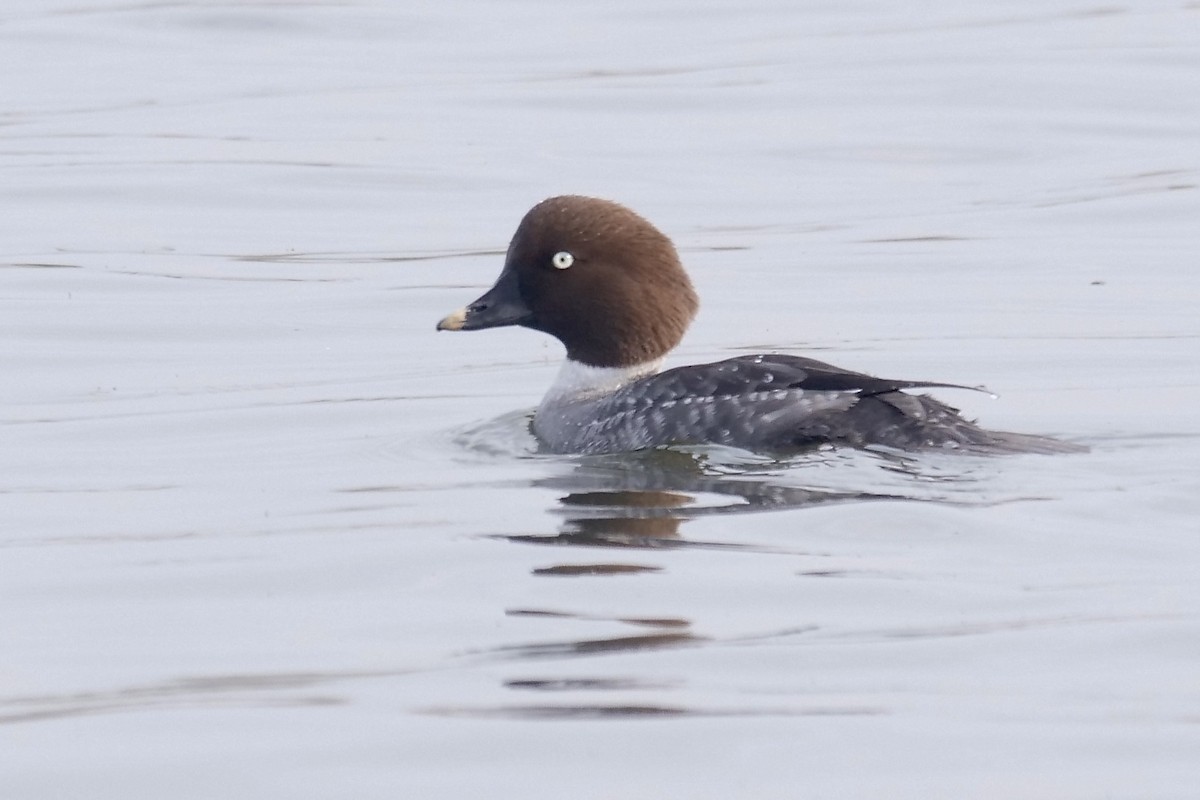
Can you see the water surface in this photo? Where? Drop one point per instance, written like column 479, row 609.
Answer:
column 264, row 534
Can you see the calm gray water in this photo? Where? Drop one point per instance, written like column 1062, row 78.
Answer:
column 264, row 534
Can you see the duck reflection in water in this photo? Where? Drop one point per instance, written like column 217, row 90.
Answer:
column 642, row 499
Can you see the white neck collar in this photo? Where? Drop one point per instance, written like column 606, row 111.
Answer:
column 576, row 380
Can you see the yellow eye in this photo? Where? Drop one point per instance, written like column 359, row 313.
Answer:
column 562, row 259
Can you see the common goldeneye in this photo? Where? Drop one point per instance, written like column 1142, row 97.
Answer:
column 609, row 286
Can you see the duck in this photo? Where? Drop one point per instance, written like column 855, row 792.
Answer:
column 610, row 286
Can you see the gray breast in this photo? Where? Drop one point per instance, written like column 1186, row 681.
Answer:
column 632, row 420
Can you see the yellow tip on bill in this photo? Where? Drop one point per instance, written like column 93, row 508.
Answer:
column 453, row 322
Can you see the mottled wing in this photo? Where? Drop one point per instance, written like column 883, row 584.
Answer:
column 778, row 402
column 750, row 401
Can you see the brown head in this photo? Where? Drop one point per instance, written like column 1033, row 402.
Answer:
column 593, row 274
